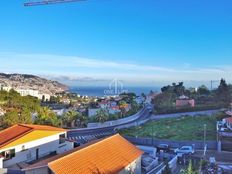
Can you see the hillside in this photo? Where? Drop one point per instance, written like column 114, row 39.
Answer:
column 26, row 81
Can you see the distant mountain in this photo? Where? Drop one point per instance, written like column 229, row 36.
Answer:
column 26, row 81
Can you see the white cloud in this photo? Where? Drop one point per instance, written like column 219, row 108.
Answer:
column 71, row 68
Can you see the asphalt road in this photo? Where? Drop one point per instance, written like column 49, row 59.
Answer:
column 88, row 134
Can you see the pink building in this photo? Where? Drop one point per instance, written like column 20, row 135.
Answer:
column 185, row 101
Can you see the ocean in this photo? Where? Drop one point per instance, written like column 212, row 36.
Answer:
column 103, row 91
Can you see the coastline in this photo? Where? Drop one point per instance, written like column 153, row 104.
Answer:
column 100, row 90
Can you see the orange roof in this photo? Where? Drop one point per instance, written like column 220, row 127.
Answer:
column 109, row 155
column 19, row 130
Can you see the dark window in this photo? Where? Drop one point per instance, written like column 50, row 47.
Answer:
column 8, row 154
column 61, row 138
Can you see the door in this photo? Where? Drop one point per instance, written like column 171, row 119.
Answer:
column 37, row 154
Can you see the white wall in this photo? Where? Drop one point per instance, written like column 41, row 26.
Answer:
column 117, row 122
column 134, row 167
column 93, row 112
column 42, row 170
column 1, row 162
column 45, row 145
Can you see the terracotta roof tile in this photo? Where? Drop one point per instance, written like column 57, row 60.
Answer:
column 56, row 157
column 110, row 155
column 43, row 127
column 17, row 131
column 11, row 133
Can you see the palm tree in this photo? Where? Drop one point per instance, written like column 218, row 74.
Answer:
column 80, row 119
column 69, row 118
column 47, row 116
column 102, row 116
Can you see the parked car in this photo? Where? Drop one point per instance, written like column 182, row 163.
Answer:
column 185, row 150
column 164, row 147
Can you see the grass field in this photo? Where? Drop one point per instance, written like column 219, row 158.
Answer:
column 184, row 128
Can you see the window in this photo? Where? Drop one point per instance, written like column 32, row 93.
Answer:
column 8, row 154
column 61, row 138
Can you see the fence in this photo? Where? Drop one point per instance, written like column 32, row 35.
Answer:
column 177, row 115
column 119, row 121
column 211, row 145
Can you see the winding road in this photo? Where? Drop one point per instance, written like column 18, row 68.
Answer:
column 85, row 135
column 88, row 134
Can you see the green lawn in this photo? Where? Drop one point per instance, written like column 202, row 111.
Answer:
column 184, row 128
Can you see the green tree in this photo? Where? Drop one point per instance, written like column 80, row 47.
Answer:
column 9, row 119
column 223, row 92
column 102, row 116
column 177, row 89
column 80, row 119
column 164, row 100
column 25, row 116
column 69, row 118
column 189, row 170
column 203, row 90
column 47, row 117
column 143, row 95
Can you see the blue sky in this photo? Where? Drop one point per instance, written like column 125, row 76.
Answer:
column 141, row 42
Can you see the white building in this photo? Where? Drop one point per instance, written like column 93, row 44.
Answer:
column 24, row 143
column 34, row 93
column 92, row 112
column 6, row 88
column 26, row 92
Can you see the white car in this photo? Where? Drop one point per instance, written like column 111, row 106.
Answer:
column 185, row 150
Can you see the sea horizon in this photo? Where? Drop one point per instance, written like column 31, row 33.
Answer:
column 100, row 91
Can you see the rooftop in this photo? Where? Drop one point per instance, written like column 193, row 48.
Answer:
column 109, row 155
column 18, row 131
column 229, row 119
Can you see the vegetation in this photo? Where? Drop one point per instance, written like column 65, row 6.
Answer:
column 204, row 98
column 73, row 118
column 18, row 109
column 184, row 128
column 102, row 116
column 47, row 117
column 189, row 170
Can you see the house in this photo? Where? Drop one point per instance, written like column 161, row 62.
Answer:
column 125, row 106
column 229, row 122
column 184, row 101
column 93, row 111
column 110, row 155
column 104, row 104
column 26, row 143
column 114, row 110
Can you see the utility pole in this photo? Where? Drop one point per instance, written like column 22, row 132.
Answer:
column 204, row 139
column 204, row 133
column 211, row 83
column 152, row 131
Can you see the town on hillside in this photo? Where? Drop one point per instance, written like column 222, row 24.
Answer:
column 176, row 129
column 116, row 87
